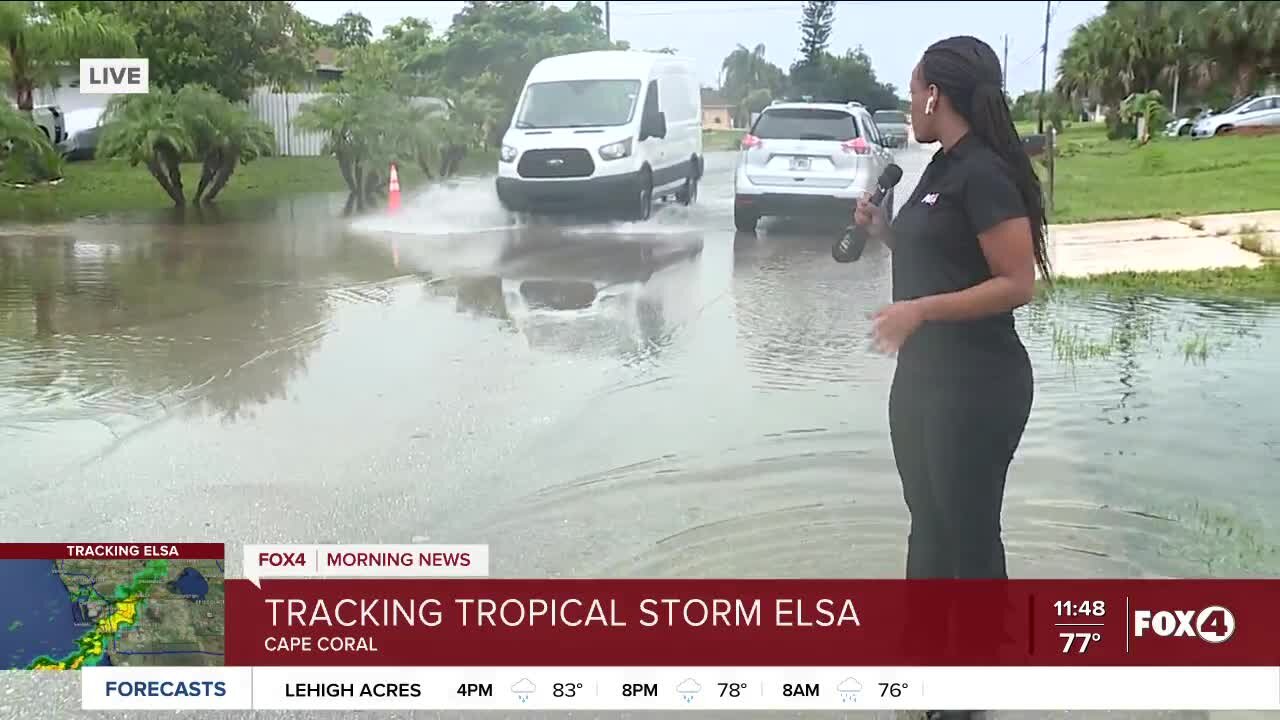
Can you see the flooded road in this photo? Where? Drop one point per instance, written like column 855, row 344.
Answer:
column 662, row 399
column 590, row 400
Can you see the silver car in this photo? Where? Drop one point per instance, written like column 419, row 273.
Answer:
column 1251, row 112
column 806, row 159
column 894, row 126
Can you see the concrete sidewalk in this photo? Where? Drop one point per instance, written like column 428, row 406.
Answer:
column 1158, row 245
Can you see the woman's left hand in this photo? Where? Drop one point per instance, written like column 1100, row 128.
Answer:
column 892, row 325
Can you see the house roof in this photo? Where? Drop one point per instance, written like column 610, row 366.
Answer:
column 326, row 58
column 712, row 98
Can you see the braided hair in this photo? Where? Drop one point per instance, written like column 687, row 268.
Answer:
column 967, row 71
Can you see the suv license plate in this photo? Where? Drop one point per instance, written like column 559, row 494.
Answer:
column 800, row 163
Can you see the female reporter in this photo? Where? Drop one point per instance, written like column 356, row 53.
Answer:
column 966, row 247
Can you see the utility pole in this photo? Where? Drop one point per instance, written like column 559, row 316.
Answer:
column 1004, row 67
column 1044, row 66
column 608, row 30
column 1177, row 74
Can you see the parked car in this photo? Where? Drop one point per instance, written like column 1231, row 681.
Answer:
column 605, row 129
column 83, row 128
column 894, row 127
column 48, row 118
column 1251, row 112
column 806, row 158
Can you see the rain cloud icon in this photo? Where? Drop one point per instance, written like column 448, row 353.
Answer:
column 688, row 687
column 523, row 687
column 849, row 689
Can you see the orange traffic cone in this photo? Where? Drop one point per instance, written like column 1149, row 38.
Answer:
column 393, row 192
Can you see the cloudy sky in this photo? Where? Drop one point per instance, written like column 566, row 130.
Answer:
column 893, row 33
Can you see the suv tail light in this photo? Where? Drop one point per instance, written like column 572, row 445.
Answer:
column 750, row 141
column 857, row 146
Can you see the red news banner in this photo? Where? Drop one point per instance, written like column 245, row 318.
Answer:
column 495, row 622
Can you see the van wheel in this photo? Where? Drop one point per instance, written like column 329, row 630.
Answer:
column 688, row 194
column 644, row 199
column 744, row 221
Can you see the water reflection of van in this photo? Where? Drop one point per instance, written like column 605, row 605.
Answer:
column 629, row 307
column 604, row 130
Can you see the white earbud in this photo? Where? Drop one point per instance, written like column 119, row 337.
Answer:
column 928, row 106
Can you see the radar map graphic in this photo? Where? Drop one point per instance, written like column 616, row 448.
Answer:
column 70, row 614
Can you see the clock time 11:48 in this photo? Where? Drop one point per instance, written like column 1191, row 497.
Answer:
column 1083, row 608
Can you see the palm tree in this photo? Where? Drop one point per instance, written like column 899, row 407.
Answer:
column 223, row 136
column 1242, row 40
column 438, row 139
column 25, row 151
column 1146, row 107
column 34, row 43
column 1083, row 69
column 746, row 70
column 366, row 131
column 337, row 115
column 1133, row 47
column 744, row 73
column 149, row 130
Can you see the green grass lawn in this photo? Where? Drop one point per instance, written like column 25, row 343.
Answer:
column 1098, row 179
column 1261, row 283
column 719, row 140
column 97, row 187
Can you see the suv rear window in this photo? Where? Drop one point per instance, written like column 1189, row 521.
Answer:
column 891, row 116
column 805, row 124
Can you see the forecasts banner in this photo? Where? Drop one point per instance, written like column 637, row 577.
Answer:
column 494, row 622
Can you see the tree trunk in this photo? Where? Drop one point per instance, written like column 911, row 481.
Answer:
column 23, row 87
column 172, row 164
column 373, row 187
column 25, row 92
column 224, row 172
column 424, row 164
column 157, row 171
column 348, row 173
column 207, row 172
column 1244, row 81
column 357, row 188
column 453, row 155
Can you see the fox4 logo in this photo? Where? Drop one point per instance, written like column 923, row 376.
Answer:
column 1214, row 624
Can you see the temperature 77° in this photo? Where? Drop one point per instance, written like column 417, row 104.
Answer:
column 1080, row 641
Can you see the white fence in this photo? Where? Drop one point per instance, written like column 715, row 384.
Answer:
column 280, row 111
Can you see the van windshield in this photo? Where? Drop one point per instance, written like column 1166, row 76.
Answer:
column 578, row 103
column 890, row 117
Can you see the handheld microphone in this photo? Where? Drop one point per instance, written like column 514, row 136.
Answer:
column 851, row 245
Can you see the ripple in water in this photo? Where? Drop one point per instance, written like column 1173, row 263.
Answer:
column 1121, row 473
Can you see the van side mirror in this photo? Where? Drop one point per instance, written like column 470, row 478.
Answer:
column 654, row 126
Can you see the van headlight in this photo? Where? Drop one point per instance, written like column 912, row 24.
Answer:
column 507, row 154
column 616, row 151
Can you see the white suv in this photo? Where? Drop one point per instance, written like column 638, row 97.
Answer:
column 805, row 158
column 50, row 120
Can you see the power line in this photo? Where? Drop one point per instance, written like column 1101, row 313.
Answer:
column 1029, row 58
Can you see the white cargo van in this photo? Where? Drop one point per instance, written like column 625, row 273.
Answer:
column 607, row 129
